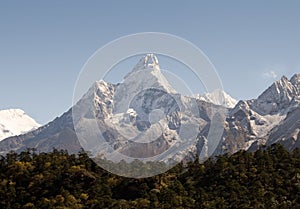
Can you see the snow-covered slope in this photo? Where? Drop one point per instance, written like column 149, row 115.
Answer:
column 218, row 97
column 15, row 122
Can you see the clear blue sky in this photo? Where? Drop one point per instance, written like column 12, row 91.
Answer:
column 44, row 44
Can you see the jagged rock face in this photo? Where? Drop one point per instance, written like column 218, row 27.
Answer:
column 264, row 120
column 103, row 99
column 295, row 80
column 277, row 97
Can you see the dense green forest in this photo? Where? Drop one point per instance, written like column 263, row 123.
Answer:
column 268, row 178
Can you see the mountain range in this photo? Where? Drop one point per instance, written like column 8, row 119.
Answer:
column 145, row 108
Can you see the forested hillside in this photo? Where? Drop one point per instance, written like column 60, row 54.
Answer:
column 268, row 178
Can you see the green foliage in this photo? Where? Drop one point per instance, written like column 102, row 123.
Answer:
column 268, row 178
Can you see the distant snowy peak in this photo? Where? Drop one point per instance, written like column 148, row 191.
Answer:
column 15, row 122
column 219, row 97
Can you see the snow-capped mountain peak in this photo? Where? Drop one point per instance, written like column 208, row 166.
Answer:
column 219, row 97
column 145, row 75
column 15, row 122
column 149, row 61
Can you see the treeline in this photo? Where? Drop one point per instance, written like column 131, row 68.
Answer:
column 267, row 178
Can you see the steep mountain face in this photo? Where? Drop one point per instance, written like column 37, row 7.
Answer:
column 144, row 116
column 287, row 132
column 278, row 98
column 264, row 121
column 15, row 122
column 146, row 74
